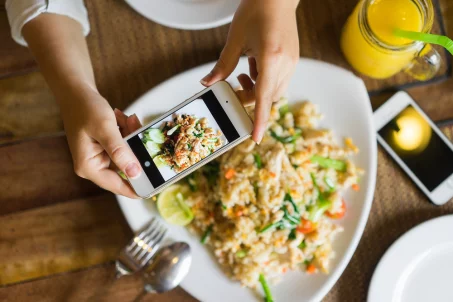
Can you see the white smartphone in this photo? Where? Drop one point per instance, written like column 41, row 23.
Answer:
column 187, row 137
column 417, row 145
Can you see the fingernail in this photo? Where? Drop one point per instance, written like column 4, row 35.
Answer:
column 257, row 136
column 137, row 120
column 206, row 79
column 133, row 170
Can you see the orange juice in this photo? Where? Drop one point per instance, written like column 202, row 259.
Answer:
column 367, row 41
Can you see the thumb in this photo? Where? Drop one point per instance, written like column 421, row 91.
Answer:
column 229, row 58
column 119, row 152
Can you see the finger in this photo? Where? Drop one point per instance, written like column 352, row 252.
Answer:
column 247, row 95
column 252, row 68
column 245, row 81
column 111, row 181
column 227, row 62
column 133, row 123
column 121, row 120
column 282, row 87
column 110, row 138
column 265, row 88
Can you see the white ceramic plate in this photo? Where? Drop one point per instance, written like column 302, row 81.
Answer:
column 187, row 14
column 344, row 101
column 418, row 267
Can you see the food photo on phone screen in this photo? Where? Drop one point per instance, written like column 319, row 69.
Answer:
column 182, row 139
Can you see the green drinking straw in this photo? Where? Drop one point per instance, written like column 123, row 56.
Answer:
column 427, row 38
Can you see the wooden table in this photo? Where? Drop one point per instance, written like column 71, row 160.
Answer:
column 59, row 234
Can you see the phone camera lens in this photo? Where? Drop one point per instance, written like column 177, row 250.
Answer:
column 147, row 164
column 227, row 101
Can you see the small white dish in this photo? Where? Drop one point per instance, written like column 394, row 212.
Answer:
column 418, row 267
column 344, row 101
column 187, row 14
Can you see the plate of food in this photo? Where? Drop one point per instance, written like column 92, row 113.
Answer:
column 281, row 219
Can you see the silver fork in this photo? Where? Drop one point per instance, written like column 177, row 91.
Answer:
column 140, row 249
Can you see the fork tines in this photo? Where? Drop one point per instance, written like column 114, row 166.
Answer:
column 144, row 245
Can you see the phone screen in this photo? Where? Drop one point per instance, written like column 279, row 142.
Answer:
column 411, row 137
column 183, row 138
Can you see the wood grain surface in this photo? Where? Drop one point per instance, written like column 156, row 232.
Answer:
column 39, row 172
column 92, row 285
column 59, row 233
column 61, row 237
column 14, row 59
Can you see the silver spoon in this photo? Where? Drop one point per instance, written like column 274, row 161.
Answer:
column 167, row 268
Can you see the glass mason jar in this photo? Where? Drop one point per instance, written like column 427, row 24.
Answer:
column 371, row 56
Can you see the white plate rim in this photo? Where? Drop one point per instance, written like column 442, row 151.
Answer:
column 380, row 280
column 200, row 26
column 371, row 174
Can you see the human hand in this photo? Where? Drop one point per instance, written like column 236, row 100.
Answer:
column 265, row 31
column 94, row 133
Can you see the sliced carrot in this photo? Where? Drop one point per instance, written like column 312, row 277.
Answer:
column 340, row 213
column 311, row 268
column 230, row 173
column 272, row 174
column 284, row 270
column 305, row 227
column 239, row 213
column 355, row 187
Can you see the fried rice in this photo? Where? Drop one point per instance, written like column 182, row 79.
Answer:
column 270, row 208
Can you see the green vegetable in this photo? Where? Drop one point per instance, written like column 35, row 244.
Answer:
column 153, row 148
column 211, row 171
column 123, row 176
column 206, row 234
column 172, row 130
column 302, row 245
column 317, row 210
column 290, row 199
column 321, row 205
column 287, row 139
column 192, row 182
column 224, row 207
column 213, row 140
column 315, row 183
column 266, row 289
column 283, row 110
column 330, row 184
column 288, row 221
column 155, row 135
column 241, row 253
column 292, row 234
column 270, row 226
column 339, row 165
column 307, row 262
column 255, row 188
column 199, row 134
column 258, row 162
column 289, row 218
column 189, row 146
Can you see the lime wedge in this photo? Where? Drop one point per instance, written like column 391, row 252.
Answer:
column 159, row 162
column 153, row 148
column 172, row 207
column 155, row 135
